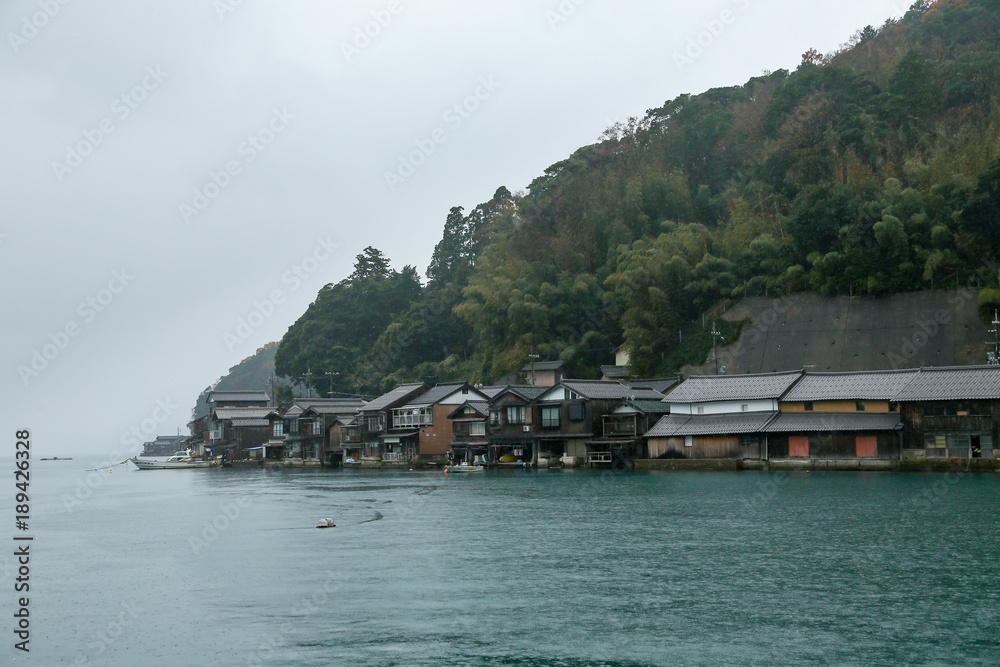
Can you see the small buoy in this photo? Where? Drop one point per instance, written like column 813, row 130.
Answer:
column 446, row 471
column 326, row 523
column 411, row 469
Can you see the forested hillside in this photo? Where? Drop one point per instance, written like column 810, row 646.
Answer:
column 869, row 171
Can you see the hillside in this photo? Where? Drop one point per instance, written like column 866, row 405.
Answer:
column 872, row 171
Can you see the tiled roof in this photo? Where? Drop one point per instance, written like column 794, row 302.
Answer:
column 491, row 391
column 442, row 391
column 599, row 389
column 952, row 384
column 397, row 394
column 656, row 384
column 526, row 391
column 859, row 386
column 802, row 422
column 726, row 424
column 339, row 404
column 238, row 396
column 544, row 366
column 705, row 388
column 614, row 372
column 481, row 408
column 650, row 406
column 242, row 413
column 248, row 422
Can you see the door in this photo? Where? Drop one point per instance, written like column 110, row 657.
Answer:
column 867, row 446
column 798, row 446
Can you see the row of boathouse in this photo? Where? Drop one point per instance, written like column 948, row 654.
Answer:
column 795, row 417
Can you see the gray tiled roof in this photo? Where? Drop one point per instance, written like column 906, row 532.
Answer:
column 481, row 408
column 599, row 389
column 248, row 422
column 242, row 413
column 543, row 366
column 657, row 384
column 340, row 404
column 705, row 388
column 724, row 424
column 650, row 406
column 613, row 371
column 802, row 422
column 526, row 391
column 952, row 384
column 492, row 390
column 440, row 392
column 871, row 386
column 239, row 396
column 397, row 394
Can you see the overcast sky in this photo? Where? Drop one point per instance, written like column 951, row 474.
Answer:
column 172, row 167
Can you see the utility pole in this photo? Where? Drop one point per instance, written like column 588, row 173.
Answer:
column 532, row 358
column 993, row 358
column 331, row 375
column 715, row 346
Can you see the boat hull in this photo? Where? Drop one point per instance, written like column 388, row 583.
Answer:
column 146, row 464
column 461, row 468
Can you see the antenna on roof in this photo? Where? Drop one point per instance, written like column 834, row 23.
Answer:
column 993, row 358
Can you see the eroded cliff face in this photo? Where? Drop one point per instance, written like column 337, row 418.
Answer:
column 843, row 333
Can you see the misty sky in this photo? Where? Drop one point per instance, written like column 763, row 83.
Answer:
column 170, row 168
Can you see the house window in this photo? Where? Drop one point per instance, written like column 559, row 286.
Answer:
column 701, row 409
column 293, row 425
column 278, row 429
column 412, row 417
column 550, row 416
column 495, row 416
column 893, row 407
column 744, row 407
column 689, row 441
column 980, row 410
column 515, row 414
column 860, row 406
column 808, row 406
column 375, row 424
column 477, row 428
column 577, row 412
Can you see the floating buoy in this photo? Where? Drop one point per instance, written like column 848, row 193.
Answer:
column 326, row 523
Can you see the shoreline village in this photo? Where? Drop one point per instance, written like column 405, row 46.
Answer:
column 915, row 419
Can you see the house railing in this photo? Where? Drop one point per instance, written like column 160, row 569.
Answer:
column 395, row 456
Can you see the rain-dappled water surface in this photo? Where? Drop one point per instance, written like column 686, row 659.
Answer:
column 220, row 567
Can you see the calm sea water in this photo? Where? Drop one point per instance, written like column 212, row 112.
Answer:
column 511, row 568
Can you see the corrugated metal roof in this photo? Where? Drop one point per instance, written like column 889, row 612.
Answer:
column 795, row 422
column 856, row 386
column 953, row 384
column 397, row 394
column 242, row 413
column 705, row 388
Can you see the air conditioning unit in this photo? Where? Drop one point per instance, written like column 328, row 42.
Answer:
column 526, row 428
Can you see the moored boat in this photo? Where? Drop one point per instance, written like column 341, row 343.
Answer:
column 463, row 467
column 178, row 461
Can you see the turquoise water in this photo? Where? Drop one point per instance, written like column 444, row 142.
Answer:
column 508, row 568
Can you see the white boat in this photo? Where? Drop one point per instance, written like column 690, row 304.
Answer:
column 463, row 467
column 179, row 460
